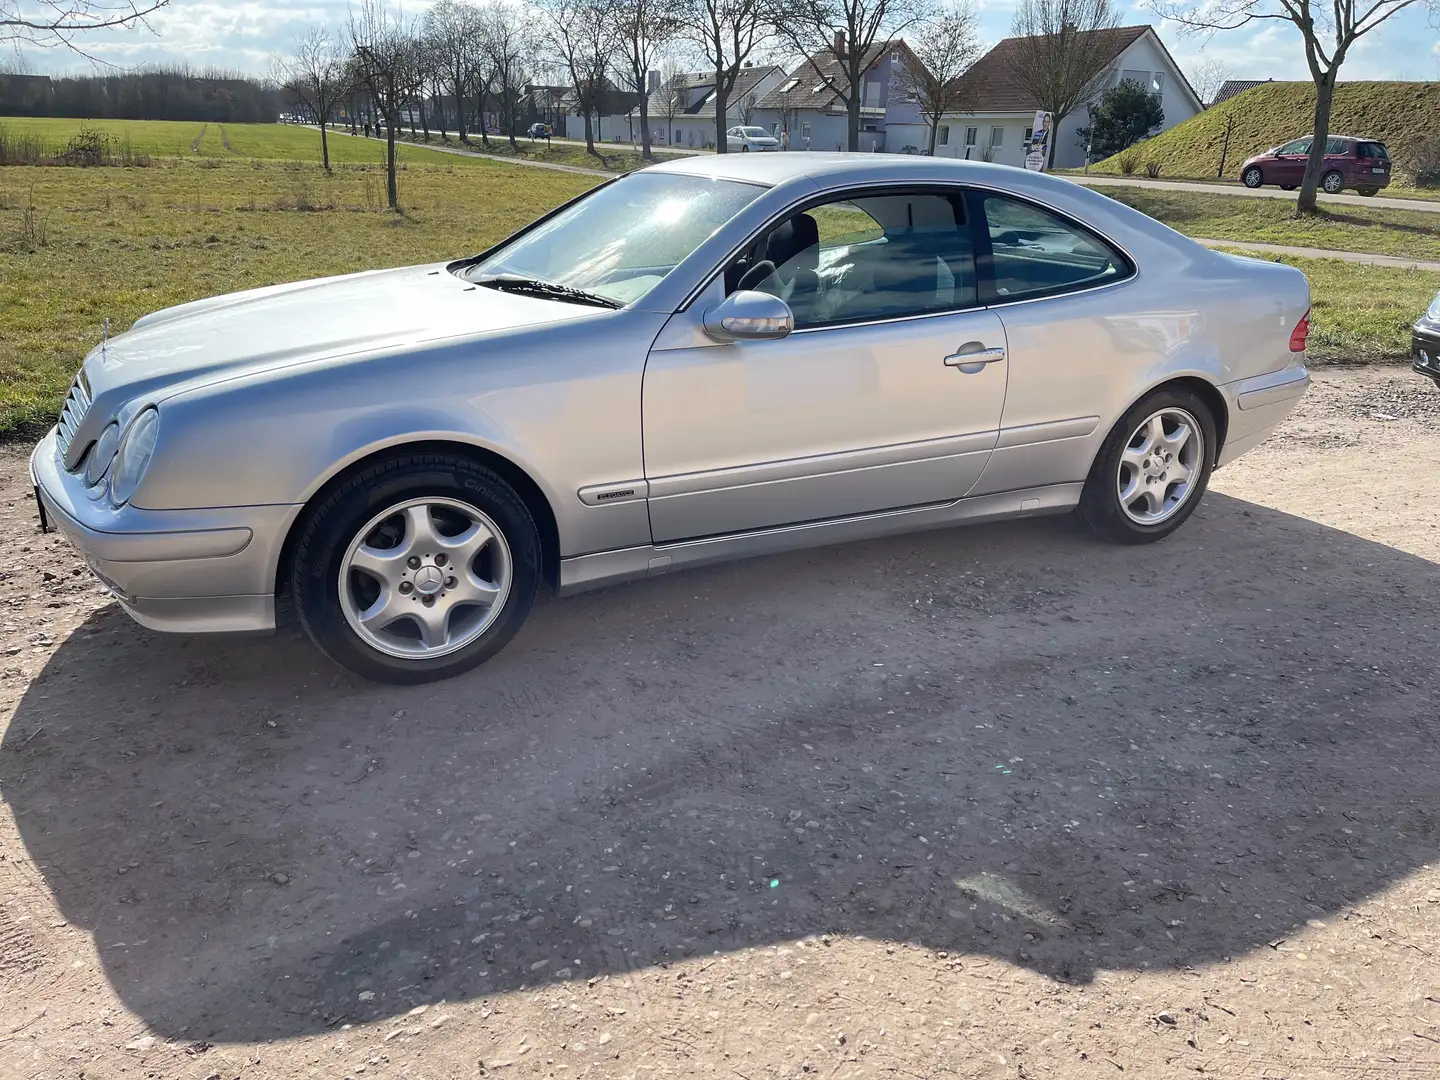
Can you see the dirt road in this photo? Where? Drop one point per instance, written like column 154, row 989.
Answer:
column 997, row 802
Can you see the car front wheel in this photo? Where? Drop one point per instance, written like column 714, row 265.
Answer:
column 1252, row 177
column 1152, row 468
column 416, row 568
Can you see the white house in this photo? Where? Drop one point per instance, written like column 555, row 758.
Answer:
column 616, row 118
column 682, row 113
column 1000, row 123
column 805, row 106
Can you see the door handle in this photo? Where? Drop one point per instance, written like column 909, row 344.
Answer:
column 972, row 357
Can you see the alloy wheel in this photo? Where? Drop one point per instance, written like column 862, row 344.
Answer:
column 1159, row 466
column 425, row 577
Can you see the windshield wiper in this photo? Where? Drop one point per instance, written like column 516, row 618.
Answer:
column 547, row 289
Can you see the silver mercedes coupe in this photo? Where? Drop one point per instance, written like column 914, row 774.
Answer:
column 712, row 358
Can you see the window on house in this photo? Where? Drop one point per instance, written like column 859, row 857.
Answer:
column 997, row 136
column 1142, row 78
column 787, row 87
column 805, row 129
column 944, row 134
column 1157, row 83
column 1029, row 134
column 1038, row 253
column 972, row 136
column 818, row 87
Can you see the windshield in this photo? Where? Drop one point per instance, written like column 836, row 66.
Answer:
column 625, row 238
column 754, row 133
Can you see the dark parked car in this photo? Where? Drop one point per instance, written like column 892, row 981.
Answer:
column 1360, row 164
column 538, row 131
column 1425, row 342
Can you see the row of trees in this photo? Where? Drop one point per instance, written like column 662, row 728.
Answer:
column 153, row 93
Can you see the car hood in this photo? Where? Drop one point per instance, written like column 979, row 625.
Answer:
column 283, row 325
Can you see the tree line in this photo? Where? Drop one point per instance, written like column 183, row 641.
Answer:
column 156, row 93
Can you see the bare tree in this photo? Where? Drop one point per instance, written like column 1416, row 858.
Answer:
column 672, row 98
column 453, row 31
column 847, row 30
column 507, row 46
column 1328, row 31
column 1061, row 54
column 728, row 33
column 1208, row 76
column 945, row 47
column 643, row 29
column 386, row 60
column 579, row 33
column 316, row 75
column 51, row 23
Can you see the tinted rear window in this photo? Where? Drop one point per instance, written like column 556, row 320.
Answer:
column 1374, row 150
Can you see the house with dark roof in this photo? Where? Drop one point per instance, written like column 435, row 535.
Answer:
column 682, row 110
column 806, row 105
column 1233, row 87
column 616, row 117
column 1001, row 116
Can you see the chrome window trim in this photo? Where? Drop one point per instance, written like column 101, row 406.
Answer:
column 961, row 188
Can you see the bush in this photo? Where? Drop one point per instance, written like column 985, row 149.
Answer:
column 1425, row 163
column 1152, row 169
column 20, row 148
column 1128, row 162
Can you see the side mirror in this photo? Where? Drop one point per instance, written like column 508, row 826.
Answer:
column 745, row 315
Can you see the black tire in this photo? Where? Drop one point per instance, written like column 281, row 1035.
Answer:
column 1100, row 506
column 1368, row 192
column 329, row 527
column 1333, row 182
column 744, row 148
column 1252, row 177
column 1288, row 187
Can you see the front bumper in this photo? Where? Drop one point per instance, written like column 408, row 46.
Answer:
column 1425, row 351
column 188, row 571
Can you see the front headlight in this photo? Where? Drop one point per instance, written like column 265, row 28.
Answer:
column 137, row 446
column 102, row 454
column 1434, row 313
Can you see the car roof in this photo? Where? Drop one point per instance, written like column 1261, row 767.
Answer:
column 830, row 170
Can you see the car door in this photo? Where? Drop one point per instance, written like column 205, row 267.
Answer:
column 1291, row 160
column 887, row 394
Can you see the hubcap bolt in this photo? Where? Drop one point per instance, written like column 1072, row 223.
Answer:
column 440, row 559
column 406, row 588
column 413, row 562
column 429, row 601
column 449, row 582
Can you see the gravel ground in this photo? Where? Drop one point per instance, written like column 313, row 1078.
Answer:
column 996, row 802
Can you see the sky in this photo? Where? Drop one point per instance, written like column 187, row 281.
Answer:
column 245, row 35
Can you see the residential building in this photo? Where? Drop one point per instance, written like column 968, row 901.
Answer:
column 1232, row 87
column 616, row 119
column 999, row 122
column 806, row 105
column 690, row 97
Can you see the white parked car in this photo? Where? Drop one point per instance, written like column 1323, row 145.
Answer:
column 745, row 138
column 712, row 358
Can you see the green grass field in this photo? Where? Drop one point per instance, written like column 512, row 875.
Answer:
column 79, row 245
column 1410, row 234
column 1402, row 115
column 176, row 140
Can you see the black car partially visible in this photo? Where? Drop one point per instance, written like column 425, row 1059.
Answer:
column 1425, row 342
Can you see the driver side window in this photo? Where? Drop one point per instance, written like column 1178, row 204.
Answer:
column 1299, row 146
column 866, row 258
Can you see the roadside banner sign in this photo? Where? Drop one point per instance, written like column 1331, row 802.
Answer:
column 1037, row 151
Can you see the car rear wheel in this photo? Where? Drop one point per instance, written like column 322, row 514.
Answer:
column 1333, row 182
column 1152, row 468
column 416, row 568
column 1368, row 192
column 1288, row 187
column 744, row 148
column 1252, row 177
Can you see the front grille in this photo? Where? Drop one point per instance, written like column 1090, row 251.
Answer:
column 77, row 404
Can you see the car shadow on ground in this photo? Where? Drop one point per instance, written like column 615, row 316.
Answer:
column 1011, row 741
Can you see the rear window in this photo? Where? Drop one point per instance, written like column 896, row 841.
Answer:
column 1373, row 150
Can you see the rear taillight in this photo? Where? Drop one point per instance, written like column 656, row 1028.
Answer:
column 1300, row 334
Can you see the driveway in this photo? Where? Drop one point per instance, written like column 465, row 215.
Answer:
column 1429, row 206
column 994, row 802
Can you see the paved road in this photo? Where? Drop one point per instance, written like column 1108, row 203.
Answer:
column 1425, row 205
column 1324, row 253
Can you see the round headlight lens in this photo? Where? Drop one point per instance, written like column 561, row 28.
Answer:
column 136, row 448
column 1434, row 313
column 101, row 454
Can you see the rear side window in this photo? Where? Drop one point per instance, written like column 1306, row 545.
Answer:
column 1038, row 253
column 1373, row 150
column 1337, row 146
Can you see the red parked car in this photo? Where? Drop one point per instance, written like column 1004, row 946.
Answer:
column 1361, row 164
